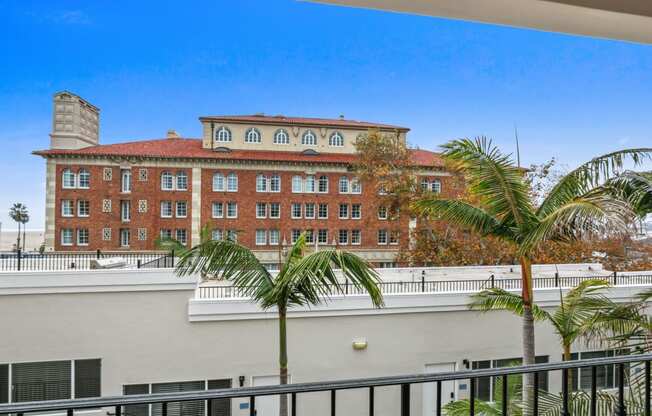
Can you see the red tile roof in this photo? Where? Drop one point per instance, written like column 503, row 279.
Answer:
column 280, row 119
column 192, row 149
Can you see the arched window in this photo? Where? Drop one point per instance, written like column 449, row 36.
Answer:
column 356, row 186
column 167, row 181
column 425, row 185
column 323, row 184
column 218, row 182
column 232, row 182
column 344, row 185
column 223, row 134
column 309, row 138
column 261, row 183
column 281, row 137
column 84, row 178
column 68, row 179
column 436, row 186
column 182, row 181
column 252, row 136
column 336, row 140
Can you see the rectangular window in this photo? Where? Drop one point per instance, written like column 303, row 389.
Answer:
column 356, row 211
column 232, row 235
column 261, row 237
column 166, row 233
column 136, row 409
column 356, row 237
column 344, row 185
column 261, row 183
column 343, row 236
column 605, row 375
column 125, row 211
column 182, row 236
column 436, row 186
column 218, row 182
column 486, row 386
column 274, row 210
column 344, row 211
column 4, row 383
column 82, row 236
column 274, row 237
column 182, row 181
column 88, row 380
column 66, row 237
column 296, row 210
column 83, row 208
column 217, row 235
column 393, row 237
column 125, row 175
column 310, row 236
column 261, row 210
column 322, row 236
column 218, row 210
column 382, row 236
column 323, row 211
column 67, row 209
column 182, row 209
column 166, row 209
column 167, row 181
column 38, row 381
column 310, row 210
column 186, row 408
column 309, row 186
column 382, row 213
column 125, row 236
column 295, row 235
column 297, row 184
column 231, row 210
column 275, row 183
column 323, row 184
column 232, row 182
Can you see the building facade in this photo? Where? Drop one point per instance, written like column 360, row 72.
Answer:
column 262, row 180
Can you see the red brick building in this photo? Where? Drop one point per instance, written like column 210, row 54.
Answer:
column 260, row 179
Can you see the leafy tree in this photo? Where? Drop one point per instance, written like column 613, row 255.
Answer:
column 302, row 280
column 18, row 212
column 586, row 201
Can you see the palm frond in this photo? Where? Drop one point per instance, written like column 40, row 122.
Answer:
column 595, row 213
column 500, row 299
column 228, row 260
column 493, row 178
column 589, row 175
column 461, row 214
column 635, row 188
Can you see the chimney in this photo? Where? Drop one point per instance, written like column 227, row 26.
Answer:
column 75, row 122
column 172, row 134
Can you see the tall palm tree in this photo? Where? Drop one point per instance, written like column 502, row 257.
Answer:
column 302, row 280
column 18, row 213
column 24, row 221
column 585, row 201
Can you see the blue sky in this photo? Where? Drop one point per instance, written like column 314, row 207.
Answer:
column 151, row 66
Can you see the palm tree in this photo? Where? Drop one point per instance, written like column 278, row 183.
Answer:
column 302, row 280
column 585, row 201
column 25, row 221
column 18, row 213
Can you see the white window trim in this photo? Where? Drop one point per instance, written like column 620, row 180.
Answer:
column 359, row 240
column 264, row 243
column 386, row 214
column 378, row 237
column 227, row 182
column 339, row 242
column 287, row 137
column 162, row 215
column 72, row 206
column 270, row 210
column 175, row 182
column 79, row 201
column 72, row 237
column 339, row 214
column 319, row 213
column 87, row 232
column 305, row 210
column 263, row 204
column 171, row 188
column 217, row 174
column 301, row 179
column 176, row 209
column 78, row 176
column 278, row 237
column 63, row 181
column 227, row 210
column 294, row 204
column 359, row 217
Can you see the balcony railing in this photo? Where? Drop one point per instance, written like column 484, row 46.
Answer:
column 449, row 286
column 34, row 261
column 638, row 365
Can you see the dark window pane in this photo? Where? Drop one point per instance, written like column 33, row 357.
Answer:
column 191, row 408
column 543, row 376
column 220, row 407
column 482, row 384
column 41, row 381
column 88, row 378
column 136, row 409
column 4, row 383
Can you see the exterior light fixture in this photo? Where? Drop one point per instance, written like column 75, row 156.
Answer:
column 241, row 379
column 360, row 344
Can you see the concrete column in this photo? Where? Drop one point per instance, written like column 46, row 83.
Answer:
column 50, row 203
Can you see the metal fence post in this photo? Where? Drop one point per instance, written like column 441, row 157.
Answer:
column 493, row 281
column 615, row 278
column 18, row 255
column 556, row 279
column 423, row 280
column 172, row 258
column 138, row 264
column 98, row 253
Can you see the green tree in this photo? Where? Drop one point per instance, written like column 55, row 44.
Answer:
column 302, row 280
column 18, row 212
column 586, row 201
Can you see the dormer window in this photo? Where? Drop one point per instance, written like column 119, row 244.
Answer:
column 336, row 140
column 281, row 137
column 309, row 138
column 252, row 136
column 223, row 135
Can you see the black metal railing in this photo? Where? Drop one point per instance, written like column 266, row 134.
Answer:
column 35, row 261
column 448, row 286
column 623, row 365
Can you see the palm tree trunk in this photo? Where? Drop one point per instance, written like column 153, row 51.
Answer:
column 567, row 357
column 528, row 331
column 283, row 357
column 18, row 238
column 24, row 226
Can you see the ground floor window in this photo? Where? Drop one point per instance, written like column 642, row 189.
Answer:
column 580, row 379
column 486, row 386
column 220, row 407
